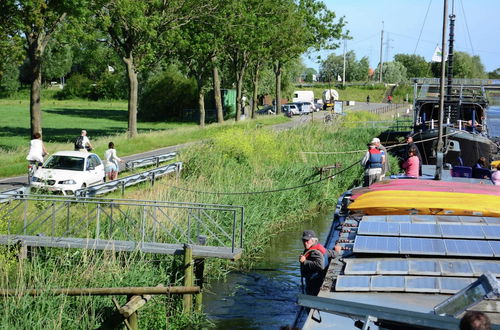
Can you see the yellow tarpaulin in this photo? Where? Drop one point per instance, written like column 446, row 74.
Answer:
column 426, row 202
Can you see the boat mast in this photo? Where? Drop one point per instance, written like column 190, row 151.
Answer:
column 439, row 147
column 450, row 51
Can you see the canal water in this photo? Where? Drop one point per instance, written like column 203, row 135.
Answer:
column 265, row 297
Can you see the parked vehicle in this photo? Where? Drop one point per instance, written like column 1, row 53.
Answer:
column 67, row 171
column 290, row 109
column 303, row 96
column 305, row 107
column 266, row 110
column 329, row 96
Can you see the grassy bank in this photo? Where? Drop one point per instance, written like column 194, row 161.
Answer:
column 238, row 160
column 104, row 121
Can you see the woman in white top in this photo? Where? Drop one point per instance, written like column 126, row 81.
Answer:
column 37, row 149
column 111, row 161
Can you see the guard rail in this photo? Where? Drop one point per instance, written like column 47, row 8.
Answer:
column 130, row 180
column 148, row 161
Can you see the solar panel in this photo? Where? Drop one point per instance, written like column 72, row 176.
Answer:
column 394, row 266
column 491, row 232
column 378, row 228
column 447, row 219
column 462, row 231
column 495, row 246
column 375, row 244
column 492, row 221
column 398, row 218
column 422, row 284
column 420, row 230
column 481, row 267
column 424, row 267
column 352, row 283
column 429, row 246
column 374, row 218
column 387, row 283
column 354, row 266
column 453, row 284
column 455, row 268
column 470, row 220
column 457, row 247
column 423, row 218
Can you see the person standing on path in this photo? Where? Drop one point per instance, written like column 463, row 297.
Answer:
column 386, row 168
column 111, row 162
column 37, row 149
column 82, row 142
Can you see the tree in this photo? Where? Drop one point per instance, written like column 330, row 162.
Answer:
column 495, row 74
column 37, row 21
column 140, row 32
column 393, row 72
column 416, row 66
column 467, row 66
column 309, row 73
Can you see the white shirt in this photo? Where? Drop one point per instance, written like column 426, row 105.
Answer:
column 110, row 156
column 36, row 151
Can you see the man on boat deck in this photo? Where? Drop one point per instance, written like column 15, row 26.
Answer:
column 314, row 261
column 372, row 163
column 385, row 166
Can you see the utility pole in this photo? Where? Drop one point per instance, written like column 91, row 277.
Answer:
column 343, row 73
column 381, row 44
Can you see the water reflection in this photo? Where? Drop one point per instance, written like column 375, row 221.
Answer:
column 265, row 297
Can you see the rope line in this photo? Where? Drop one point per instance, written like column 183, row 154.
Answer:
column 356, row 151
column 269, row 191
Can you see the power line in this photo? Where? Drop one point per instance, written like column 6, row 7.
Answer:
column 422, row 28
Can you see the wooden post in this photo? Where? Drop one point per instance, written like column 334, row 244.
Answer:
column 188, row 276
column 133, row 319
column 199, row 267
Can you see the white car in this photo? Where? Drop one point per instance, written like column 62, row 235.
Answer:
column 67, row 171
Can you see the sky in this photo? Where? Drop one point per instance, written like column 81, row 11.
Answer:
column 477, row 29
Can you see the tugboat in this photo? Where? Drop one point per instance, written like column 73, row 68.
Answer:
column 464, row 124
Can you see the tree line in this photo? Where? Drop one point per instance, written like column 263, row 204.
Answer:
column 213, row 42
column 402, row 68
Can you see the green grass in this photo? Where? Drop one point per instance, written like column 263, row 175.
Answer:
column 104, row 121
column 236, row 159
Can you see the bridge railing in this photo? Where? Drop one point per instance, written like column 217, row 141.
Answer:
column 130, row 180
column 59, row 221
column 148, row 161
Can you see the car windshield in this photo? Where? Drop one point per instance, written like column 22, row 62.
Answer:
column 65, row 163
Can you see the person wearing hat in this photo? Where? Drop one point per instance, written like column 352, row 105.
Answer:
column 385, row 165
column 314, row 261
column 372, row 162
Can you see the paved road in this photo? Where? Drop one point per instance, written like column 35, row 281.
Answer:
column 19, row 181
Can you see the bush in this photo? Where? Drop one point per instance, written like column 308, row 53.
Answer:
column 166, row 96
column 76, row 86
column 110, row 86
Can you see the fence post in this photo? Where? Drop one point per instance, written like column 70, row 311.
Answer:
column 133, row 319
column 188, row 277
column 199, row 267
column 123, row 188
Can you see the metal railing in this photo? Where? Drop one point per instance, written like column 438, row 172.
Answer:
column 393, row 125
column 130, row 180
column 120, row 224
column 7, row 195
column 148, row 161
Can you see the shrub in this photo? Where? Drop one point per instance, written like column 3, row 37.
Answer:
column 76, row 86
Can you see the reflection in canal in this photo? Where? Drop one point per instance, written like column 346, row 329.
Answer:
column 265, row 297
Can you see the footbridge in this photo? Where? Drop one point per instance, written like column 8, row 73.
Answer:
column 159, row 227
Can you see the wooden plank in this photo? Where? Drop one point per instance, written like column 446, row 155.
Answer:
column 200, row 251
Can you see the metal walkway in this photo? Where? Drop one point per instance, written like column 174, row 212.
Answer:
column 123, row 225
